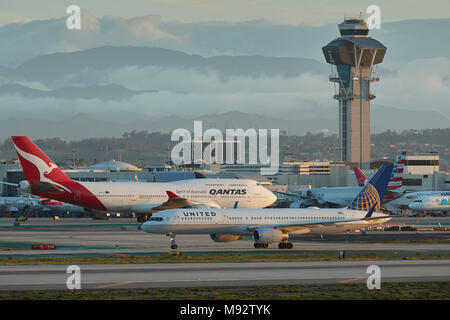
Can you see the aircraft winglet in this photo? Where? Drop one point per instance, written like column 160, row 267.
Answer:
column 369, row 214
column 172, row 195
column 235, row 205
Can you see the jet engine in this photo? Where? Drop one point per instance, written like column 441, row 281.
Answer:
column 269, row 236
column 224, row 237
column 297, row 204
column 24, row 186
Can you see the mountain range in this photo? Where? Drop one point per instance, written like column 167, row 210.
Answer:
column 85, row 126
column 104, row 92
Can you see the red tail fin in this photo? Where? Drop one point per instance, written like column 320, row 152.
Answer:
column 47, row 180
column 360, row 176
column 37, row 167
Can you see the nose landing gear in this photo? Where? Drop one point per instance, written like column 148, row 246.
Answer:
column 173, row 246
column 172, row 243
column 261, row 245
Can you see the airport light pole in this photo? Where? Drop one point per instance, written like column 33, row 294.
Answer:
column 74, row 151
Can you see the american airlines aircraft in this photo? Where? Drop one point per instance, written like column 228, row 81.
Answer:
column 431, row 201
column 341, row 196
column 45, row 179
column 274, row 225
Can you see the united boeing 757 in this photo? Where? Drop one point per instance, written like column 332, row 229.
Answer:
column 45, row 179
column 274, row 225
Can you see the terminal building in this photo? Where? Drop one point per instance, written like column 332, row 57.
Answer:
column 422, row 172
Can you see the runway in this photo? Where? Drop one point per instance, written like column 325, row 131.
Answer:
column 88, row 238
column 45, row 277
column 107, row 242
column 122, row 236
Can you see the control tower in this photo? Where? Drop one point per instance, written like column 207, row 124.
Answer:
column 352, row 57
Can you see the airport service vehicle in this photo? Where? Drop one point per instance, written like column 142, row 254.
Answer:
column 274, row 225
column 432, row 202
column 45, row 179
column 341, row 196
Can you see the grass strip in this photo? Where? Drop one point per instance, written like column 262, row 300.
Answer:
column 223, row 257
column 356, row 291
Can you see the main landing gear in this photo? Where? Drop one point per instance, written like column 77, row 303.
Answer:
column 261, row 245
column 285, row 245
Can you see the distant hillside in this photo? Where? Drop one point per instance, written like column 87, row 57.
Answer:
column 51, row 67
column 140, row 147
column 104, row 92
column 84, row 126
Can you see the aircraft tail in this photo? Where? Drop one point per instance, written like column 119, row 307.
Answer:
column 373, row 193
column 394, row 188
column 360, row 176
column 397, row 173
column 37, row 167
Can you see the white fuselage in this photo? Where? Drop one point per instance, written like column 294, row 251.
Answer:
column 339, row 196
column 430, row 203
column 407, row 199
column 141, row 197
column 243, row 221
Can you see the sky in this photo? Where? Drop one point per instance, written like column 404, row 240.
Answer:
column 313, row 13
column 413, row 78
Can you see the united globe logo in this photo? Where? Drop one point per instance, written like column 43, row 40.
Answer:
column 366, row 199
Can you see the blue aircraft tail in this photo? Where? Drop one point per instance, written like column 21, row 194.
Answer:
column 373, row 193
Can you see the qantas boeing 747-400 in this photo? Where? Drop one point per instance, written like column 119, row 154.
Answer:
column 45, row 179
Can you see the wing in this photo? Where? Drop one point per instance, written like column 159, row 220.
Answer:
column 290, row 227
column 175, row 202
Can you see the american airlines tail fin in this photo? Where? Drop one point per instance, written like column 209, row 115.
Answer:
column 373, row 193
column 37, row 167
column 397, row 173
column 394, row 188
column 360, row 176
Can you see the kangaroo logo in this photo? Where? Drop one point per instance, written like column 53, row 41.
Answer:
column 43, row 168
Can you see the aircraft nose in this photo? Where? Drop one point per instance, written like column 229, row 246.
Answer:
column 146, row 226
column 413, row 206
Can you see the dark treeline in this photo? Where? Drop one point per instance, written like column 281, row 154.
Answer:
column 143, row 147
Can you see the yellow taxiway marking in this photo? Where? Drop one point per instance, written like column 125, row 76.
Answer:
column 113, row 285
column 352, row 279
